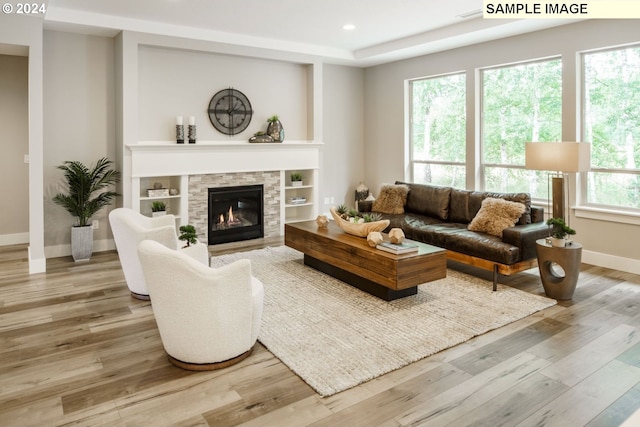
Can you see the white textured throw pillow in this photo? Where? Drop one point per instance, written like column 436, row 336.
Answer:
column 495, row 215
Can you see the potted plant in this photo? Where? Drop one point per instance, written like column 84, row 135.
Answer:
column 559, row 231
column 296, row 179
column 158, row 208
column 275, row 129
column 86, row 194
column 188, row 234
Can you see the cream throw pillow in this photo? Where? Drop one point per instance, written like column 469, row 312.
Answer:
column 391, row 199
column 495, row 215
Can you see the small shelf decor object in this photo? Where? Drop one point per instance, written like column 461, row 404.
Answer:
column 296, row 179
column 158, row 208
column 260, row 137
column 179, row 130
column 275, row 129
column 352, row 222
column 192, row 130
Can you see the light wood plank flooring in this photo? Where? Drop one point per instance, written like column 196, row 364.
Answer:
column 76, row 349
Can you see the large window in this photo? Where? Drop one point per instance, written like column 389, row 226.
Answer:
column 611, row 106
column 438, row 130
column 520, row 103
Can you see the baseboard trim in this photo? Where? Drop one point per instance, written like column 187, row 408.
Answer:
column 65, row 250
column 611, row 261
column 14, row 239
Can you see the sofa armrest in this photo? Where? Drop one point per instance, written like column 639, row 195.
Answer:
column 365, row 205
column 525, row 236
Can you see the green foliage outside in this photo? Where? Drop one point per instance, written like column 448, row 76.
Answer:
column 522, row 103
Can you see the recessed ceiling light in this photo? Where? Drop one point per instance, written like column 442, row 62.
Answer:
column 348, row 27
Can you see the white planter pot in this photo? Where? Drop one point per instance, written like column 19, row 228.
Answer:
column 159, row 213
column 296, row 183
column 558, row 243
column 81, row 243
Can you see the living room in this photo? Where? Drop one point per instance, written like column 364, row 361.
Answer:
column 90, row 96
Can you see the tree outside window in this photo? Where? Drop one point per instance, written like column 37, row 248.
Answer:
column 438, row 130
column 611, row 105
column 520, row 103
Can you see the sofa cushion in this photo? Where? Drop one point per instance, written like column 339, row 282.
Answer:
column 391, row 199
column 476, row 198
column 429, row 200
column 459, row 206
column 495, row 215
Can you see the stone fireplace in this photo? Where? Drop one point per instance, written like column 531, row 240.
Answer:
column 199, row 186
column 191, row 169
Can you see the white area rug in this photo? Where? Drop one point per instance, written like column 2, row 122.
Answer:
column 335, row 336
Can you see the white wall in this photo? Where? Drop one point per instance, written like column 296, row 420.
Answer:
column 79, row 123
column 14, row 109
column 605, row 243
column 176, row 82
column 343, row 163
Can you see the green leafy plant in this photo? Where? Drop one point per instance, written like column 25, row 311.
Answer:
column 158, row 206
column 560, row 229
column 296, row 176
column 81, row 200
column 188, row 234
column 341, row 209
column 273, row 118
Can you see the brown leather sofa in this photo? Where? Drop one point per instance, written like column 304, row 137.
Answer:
column 440, row 216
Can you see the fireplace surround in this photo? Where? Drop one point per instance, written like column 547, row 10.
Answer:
column 235, row 213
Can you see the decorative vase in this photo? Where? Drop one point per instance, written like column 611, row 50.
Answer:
column 81, row 243
column 558, row 243
column 275, row 130
column 362, row 192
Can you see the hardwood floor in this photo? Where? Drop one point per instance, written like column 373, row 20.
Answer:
column 76, row 349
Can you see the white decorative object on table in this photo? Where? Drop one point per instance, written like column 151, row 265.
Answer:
column 396, row 235
column 374, row 238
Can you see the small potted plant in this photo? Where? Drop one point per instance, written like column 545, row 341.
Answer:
column 188, row 234
column 296, row 179
column 158, row 208
column 559, row 231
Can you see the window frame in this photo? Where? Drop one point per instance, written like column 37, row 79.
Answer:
column 412, row 161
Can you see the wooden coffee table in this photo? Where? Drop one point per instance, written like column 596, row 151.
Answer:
column 352, row 260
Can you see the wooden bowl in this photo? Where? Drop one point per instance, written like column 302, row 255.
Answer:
column 362, row 229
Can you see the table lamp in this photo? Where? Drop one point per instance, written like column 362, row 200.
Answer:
column 558, row 158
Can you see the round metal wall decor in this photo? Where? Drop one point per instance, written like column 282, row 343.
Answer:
column 230, row 111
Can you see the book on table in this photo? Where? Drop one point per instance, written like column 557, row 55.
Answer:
column 398, row 248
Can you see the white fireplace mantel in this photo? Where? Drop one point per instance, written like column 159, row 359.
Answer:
column 173, row 164
column 169, row 158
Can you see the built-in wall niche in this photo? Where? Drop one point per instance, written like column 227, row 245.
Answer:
column 189, row 79
column 165, row 189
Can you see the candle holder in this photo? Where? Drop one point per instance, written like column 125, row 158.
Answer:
column 180, row 134
column 192, row 134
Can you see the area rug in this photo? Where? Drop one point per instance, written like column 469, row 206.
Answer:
column 335, row 336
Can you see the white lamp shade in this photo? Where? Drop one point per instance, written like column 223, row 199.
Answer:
column 558, row 156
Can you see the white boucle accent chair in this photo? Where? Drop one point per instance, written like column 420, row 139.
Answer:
column 208, row 318
column 130, row 228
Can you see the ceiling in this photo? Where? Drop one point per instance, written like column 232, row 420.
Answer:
column 385, row 30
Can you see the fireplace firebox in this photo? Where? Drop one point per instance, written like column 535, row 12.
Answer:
column 235, row 213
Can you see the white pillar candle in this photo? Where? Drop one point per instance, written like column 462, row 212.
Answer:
column 192, row 120
column 178, row 120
